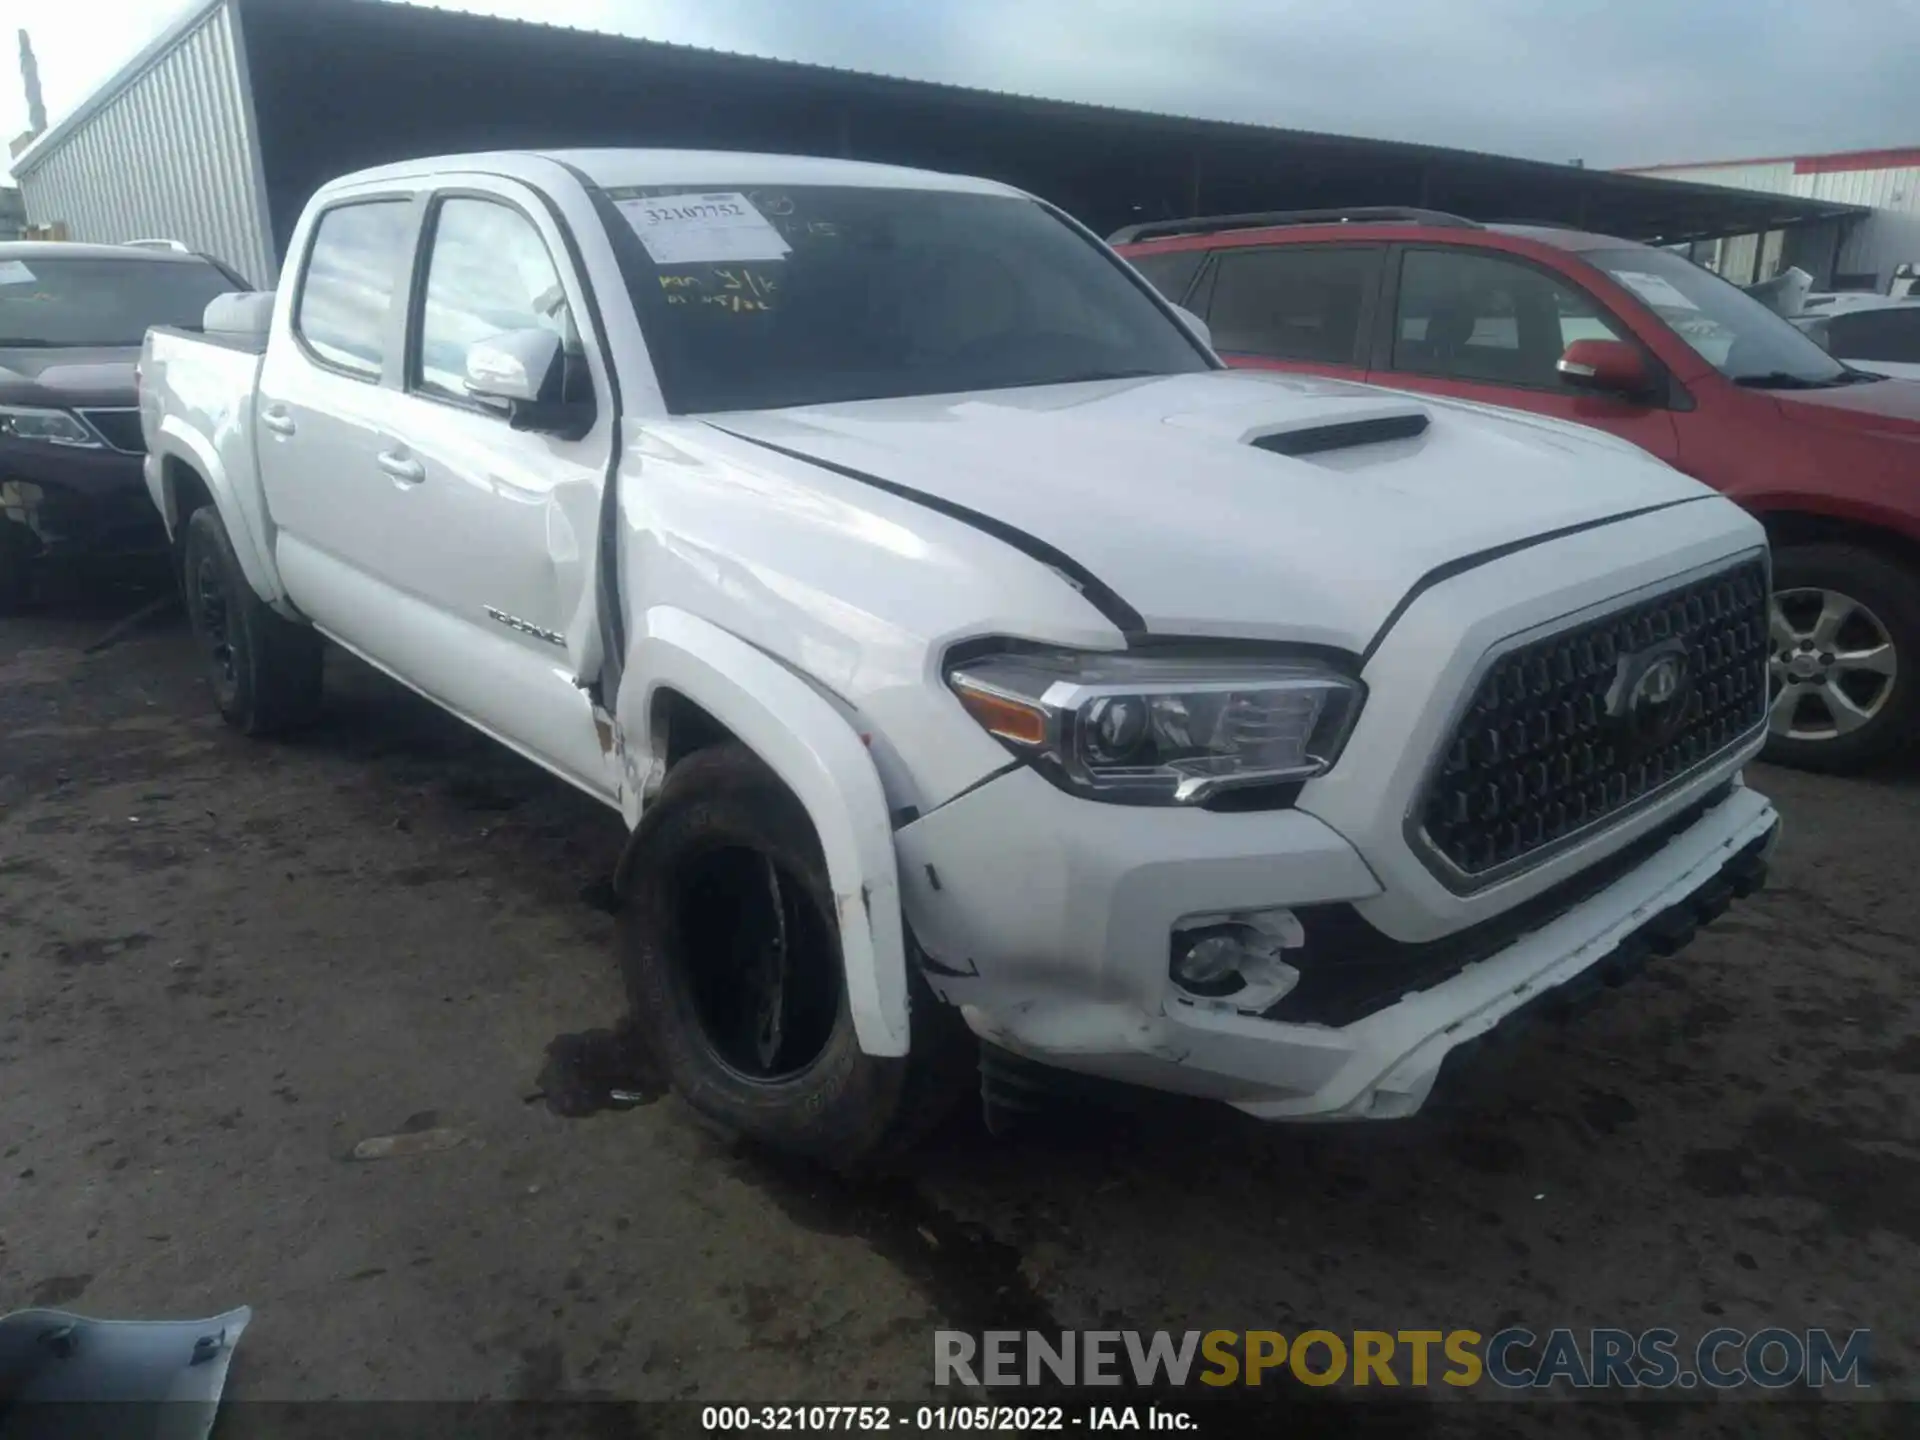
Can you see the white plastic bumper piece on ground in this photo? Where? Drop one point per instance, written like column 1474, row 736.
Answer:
column 1048, row 919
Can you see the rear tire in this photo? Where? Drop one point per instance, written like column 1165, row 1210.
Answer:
column 17, row 551
column 1847, row 712
column 265, row 670
column 731, row 951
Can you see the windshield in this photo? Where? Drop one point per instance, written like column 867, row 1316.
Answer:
column 97, row 301
column 1733, row 332
column 815, row 294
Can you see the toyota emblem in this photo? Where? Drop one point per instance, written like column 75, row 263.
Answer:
column 1651, row 694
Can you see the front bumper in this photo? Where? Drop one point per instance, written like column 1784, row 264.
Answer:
column 1048, row 920
column 80, row 502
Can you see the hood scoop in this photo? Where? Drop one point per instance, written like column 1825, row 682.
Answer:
column 1339, row 423
column 1317, row 439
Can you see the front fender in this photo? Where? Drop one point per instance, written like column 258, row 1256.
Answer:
column 179, row 442
column 806, row 742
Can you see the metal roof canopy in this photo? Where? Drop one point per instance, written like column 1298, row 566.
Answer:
column 338, row 85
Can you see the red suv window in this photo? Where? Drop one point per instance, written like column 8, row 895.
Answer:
column 1474, row 315
column 1294, row 302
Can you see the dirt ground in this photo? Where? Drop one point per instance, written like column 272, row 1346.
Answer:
column 225, row 963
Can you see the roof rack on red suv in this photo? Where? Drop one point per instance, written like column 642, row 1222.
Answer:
column 1266, row 219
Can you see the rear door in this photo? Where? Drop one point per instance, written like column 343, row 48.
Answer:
column 1490, row 326
column 1293, row 307
column 323, row 402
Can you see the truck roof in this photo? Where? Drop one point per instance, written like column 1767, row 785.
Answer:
column 616, row 169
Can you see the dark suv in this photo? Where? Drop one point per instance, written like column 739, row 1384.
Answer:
column 71, row 321
column 1631, row 339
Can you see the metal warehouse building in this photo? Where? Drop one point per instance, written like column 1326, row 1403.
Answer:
column 1857, row 255
column 219, row 131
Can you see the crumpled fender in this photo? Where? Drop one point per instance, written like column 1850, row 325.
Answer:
column 823, row 760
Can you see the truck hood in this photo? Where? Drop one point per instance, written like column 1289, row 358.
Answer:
column 1156, row 488
column 63, row 376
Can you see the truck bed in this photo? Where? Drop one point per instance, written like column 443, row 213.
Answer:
column 201, row 388
column 245, row 344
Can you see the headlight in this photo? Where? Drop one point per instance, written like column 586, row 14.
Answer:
column 50, row 427
column 1161, row 730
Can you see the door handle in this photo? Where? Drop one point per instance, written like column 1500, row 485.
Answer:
column 404, row 468
column 278, row 421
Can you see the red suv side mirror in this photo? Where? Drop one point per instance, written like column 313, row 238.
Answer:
column 1612, row 367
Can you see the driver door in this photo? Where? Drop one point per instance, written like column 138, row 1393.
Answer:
column 500, row 522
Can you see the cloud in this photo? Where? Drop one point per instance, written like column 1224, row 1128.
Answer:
column 1610, row 81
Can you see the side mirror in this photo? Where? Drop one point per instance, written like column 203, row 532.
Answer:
column 523, row 374
column 1193, row 322
column 516, row 367
column 1608, row 367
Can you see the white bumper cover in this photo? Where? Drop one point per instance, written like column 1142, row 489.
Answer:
column 1048, row 919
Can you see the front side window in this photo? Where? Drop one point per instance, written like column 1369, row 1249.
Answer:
column 357, row 260
column 808, row 295
column 488, row 273
column 1892, row 335
column 1293, row 303
column 1469, row 315
column 47, row 303
column 1741, row 338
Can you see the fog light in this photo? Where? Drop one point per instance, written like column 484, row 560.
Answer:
column 1211, row 964
column 1234, row 961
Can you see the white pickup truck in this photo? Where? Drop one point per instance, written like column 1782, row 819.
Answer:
column 960, row 641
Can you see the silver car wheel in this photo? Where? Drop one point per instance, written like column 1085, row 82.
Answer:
column 1831, row 662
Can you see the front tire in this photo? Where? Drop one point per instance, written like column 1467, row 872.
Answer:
column 731, row 951
column 265, row 670
column 1844, row 657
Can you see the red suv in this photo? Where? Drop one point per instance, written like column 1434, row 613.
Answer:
column 1635, row 340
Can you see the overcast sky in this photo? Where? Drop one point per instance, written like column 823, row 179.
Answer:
column 1615, row 82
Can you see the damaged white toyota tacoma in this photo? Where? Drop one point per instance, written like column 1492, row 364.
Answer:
column 965, row 648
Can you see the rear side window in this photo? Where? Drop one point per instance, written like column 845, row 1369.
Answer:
column 1294, row 303
column 1171, row 272
column 1467, row 315
column 357, row 260
column 1891, row 335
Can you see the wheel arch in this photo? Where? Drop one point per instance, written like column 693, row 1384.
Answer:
column 1791, row 526
column 192, row 475
column 689, row 677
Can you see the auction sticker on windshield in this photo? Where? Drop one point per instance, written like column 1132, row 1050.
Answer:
column 679, row 229
column 15, row 272
column 1656, row 290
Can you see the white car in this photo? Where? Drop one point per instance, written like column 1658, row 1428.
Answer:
column 961, row 641
column 1879, row 333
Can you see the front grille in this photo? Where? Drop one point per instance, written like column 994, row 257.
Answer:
column 1538, row 757
column 119, row 428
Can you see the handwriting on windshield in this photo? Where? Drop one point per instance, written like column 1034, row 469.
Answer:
column 731, row 289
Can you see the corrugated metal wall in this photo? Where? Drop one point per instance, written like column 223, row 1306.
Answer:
column 1888, row 237
column 1872, row 246
column 172, row 154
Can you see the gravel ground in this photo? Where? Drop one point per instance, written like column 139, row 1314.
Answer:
column 223, row 964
